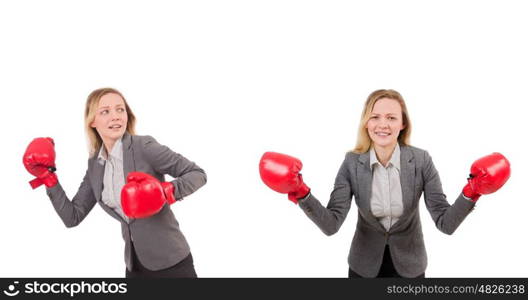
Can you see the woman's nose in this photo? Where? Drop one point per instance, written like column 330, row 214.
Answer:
column 115, row 115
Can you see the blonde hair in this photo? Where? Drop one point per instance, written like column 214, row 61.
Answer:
column 94, row 139
column 364, row 141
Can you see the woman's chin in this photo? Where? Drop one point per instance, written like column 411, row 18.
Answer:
column 384, row 143
column 114, row 135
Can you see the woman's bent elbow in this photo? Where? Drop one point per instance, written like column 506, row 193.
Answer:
column 329, row 231
column 70, row 223
column 447, row 230
column 204, row 178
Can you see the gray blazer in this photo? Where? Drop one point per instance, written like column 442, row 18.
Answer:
column 158, row 241
column 405, row 238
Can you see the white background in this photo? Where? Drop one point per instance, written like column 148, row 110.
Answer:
column 221, row 82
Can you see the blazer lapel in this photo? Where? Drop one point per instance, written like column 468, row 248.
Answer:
column 364, row 173
column 407, row 178
column 96, row 174
column 128, row 155
column 96, row 177
column 129, row 164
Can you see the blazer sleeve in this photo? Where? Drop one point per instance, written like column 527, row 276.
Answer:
column 330, row 219
column 189, row 177
column 73, row 212
column 446, row 217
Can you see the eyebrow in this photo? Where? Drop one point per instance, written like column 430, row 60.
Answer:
column 119, row 105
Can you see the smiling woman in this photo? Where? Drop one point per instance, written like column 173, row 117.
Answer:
column 386, row 176
column 154, row 243
column 387, row 121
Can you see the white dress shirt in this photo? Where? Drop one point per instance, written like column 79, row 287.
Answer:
column 114, row 178
column 386, row 198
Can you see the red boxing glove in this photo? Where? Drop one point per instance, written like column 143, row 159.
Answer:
column 144, row 196
column 39, row 160
column 168, row 189
column 280, row 173
column 487, row 175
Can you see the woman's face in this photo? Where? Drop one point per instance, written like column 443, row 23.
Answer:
column 385, row 122
column 110, row 117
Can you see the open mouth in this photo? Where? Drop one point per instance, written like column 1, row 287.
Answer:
column 114, row 127
column 382, row 134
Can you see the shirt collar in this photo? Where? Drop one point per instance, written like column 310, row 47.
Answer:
column 116, row 153
column 394, row 160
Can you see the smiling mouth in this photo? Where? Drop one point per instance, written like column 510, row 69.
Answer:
column 114, row 127
column 382, row 134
